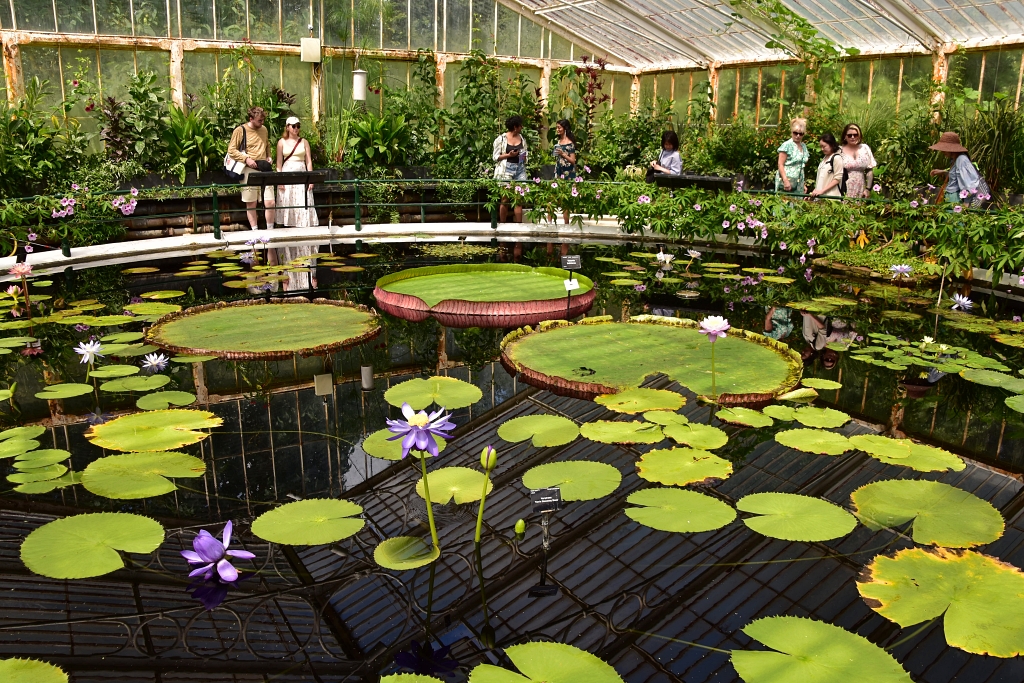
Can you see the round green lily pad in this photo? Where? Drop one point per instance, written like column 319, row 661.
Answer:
column 1015, row 403
column 30, row 671
column 626, row 282
column 156, row 430
column 164, row 294
column 108, row 371
column 261, row 330
column 577, row 479
column 906, row 453
column 744, row 416
column 151, row 308
column 545, row 430
column 697, row 435
column 991, row 378
column 27, row 432
column 824, row 384
column 84, row 546
column 405, row 552
column 942, row 514
column 547, row 662
column 802, row 395
column 666, row 418
column 67, row 479
column 682, row 466
column 448, row 392
column 37, row 474
column 139, row 475
column 55, row 392
column 162, row 400
column 639, row 400
column 313, row 521
column 606, row 431
column 461, row 484
column 41, row 458
column 979, row 598
column 793, row 517
column 822, row 418
column 813, row 652
column 122, row 338
column 17, row 447
column 480, row 282
column 148, row 383
column 815, row 441
column 669, row 509
column 379, row 446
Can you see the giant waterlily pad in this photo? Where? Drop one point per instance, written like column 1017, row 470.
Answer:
column 55, row 392
column 545, row 430
column 314, row 521
column 447, row 392
column 379, row 446
column 161, row 400
column 815, row 441
column 980, row 598
column 577, row 479
column 991, row 378
column 544, row 662
column 405, row 552
column 30, row 671
column 744, row 416
column 243, row 330
column 461, row 484
column 669, row 509
column 137, row 383
column 942, row 514
column 84, row 546
column 603, row 357
column 682, row 466
column 811, row 651
column 697, row 435
column 156, row 430
column 906, row 453
column 606, row 431
column 479, row 282
column 639, row 400
column 792, row 517
column 139, row 475
column 823, row 418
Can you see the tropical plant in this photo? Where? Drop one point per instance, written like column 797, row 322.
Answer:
column 575, row 93
column 191, row 144
column 377, row 139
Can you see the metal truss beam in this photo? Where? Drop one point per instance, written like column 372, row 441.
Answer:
column 897, row 12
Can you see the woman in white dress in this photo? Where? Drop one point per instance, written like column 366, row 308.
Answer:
column 294, row 155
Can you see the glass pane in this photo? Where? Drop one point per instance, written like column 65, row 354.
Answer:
column 965, row 70
column 231, row 20
column 508, row 32
column 771, row 80
column 451, row 84
column 396, row 74
column 113, row 17
column 663, row 91
column 337, row 23
column 116, row 69
column 368, row 24
column 296, row 20
column 74, row 16
column 748, row 93
column 620, row 97
column 457, row 29
column 483, row 26
column 159, row 62
column 43, row 63
column 421, row 18
column 794, row 87
column 5, row 17
column 917, row 81
column 34, row 15
column 726, row 95
column 884, row 83
column 560, row 48
column 196, row 19
column 646, row 90
column 198, row 70
column 855, row 86
column 1001, row 72
column 396, row 24
column 297, row 81
column 337, row 84
column 269, row 69
column 264, row 26
column 529, row 40
column 150, row 17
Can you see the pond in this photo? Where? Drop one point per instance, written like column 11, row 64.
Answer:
column 829, row 490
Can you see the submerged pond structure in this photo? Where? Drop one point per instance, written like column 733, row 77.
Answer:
column 419, row 469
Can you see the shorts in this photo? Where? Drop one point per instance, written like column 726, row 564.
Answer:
column 514, row 172
column 251, row 193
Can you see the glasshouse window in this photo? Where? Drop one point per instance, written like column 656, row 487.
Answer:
column 113, row 17
column 264, row 21
column 422, row 23
column 231, row 20
column 396, row 24
column 483, row 26
column 196, row 19
column 457, row 28
column 34, row 15
column 150, row 17
column 529, row 40
column 75, row 16
column 199, row 70
column 507, row 38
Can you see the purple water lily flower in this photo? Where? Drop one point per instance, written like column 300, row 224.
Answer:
column 212, row 553
column 962, row 303
column 418, row 430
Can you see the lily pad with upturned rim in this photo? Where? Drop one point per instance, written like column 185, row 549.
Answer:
column 459, row 484
column 792, row 517
column 139, row 475
column 546, row 431
column 678, row 510
column 313, row 521
column 815, row 441
column 621, row 431
column 156, row 430
column 682, row 467
column 577, row 479
column 85, row 546
column 405, row 552
column 641, row 399
column 447, row 392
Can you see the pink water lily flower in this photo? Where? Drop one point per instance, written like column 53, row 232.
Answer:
column 212, row 553
column 714, row 326
column 20, row 270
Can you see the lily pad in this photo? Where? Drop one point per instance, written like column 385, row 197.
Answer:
column 942, row 514
column 461, row 484
column 157, row 430
column 1015, row 403
column 697, row 435
column 605, row 431
column 55, row 392
column 17, row 447
column 68, row 479
column 41, row 458
column 793, row 517
column 817, row 383
column 822, row 418
column 161, row 400
column 192, row 359
column 151, row 308
column 314, row 521
column 979, row 598
column 405, row 552
column 682, row 466
column 802, row 395
column 815, row 441
column 545, row 430
column 744, row 416
column 813, row 652
column 447, row 392
column 577, row 479
column 547, row 662
column 108, row 371
column 139, row 475
column 122, row 337
column 665, row 418
column 22, row 433
column 378, row 446
column 670, row 509
column 84, row 546
column 164, row 294
column 906, row 453
column 30, row 671
column 37, row 474
column 638, row 400
column 124, row 384
column 779, row 412
column 991, row 378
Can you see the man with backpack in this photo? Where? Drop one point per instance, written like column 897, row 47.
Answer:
column 249, row 151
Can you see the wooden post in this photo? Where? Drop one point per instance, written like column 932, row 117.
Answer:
column 316, row 91
column 713, row 80
column 12, row 68
column 177, row 78
column 441, row 60
column 634, row 95
column 940, row 71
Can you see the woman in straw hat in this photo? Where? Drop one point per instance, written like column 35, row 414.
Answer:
column 965, row 184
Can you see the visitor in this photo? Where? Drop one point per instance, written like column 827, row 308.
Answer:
column 858, row 162
column 964, row 182
column 509, row 153
column 565, row 155
column 295, row 156
column 249, row 146
column 777, row 322
column 793, row 157
column 830, row 170
column 669, row 162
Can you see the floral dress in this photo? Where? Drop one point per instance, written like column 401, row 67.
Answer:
column 563, row 169
column 857, row 171
column 796, row 159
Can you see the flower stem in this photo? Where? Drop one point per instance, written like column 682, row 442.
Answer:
column 28, row 302
column 714, row 394
column 480, row 514
column 430, row 508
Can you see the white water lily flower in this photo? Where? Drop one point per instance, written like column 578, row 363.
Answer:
column 89, row 351
column 928, row 340
column 962, row 303
column 155, row 362
column 693, row 253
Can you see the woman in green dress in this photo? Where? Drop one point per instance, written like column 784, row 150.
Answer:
column 565, row 156
column 793, row 156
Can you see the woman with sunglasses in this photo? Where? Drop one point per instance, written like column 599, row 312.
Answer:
column 793, row 156
column 858, row 162
column 295, row 155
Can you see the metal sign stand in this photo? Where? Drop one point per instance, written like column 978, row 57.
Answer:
column 570, row 262
column 545, row 502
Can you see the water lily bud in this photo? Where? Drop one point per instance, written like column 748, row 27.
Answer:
column 487, row 637
column 520, row 529
column 488, row 458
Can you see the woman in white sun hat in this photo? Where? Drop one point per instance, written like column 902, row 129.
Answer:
column 294, row 155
